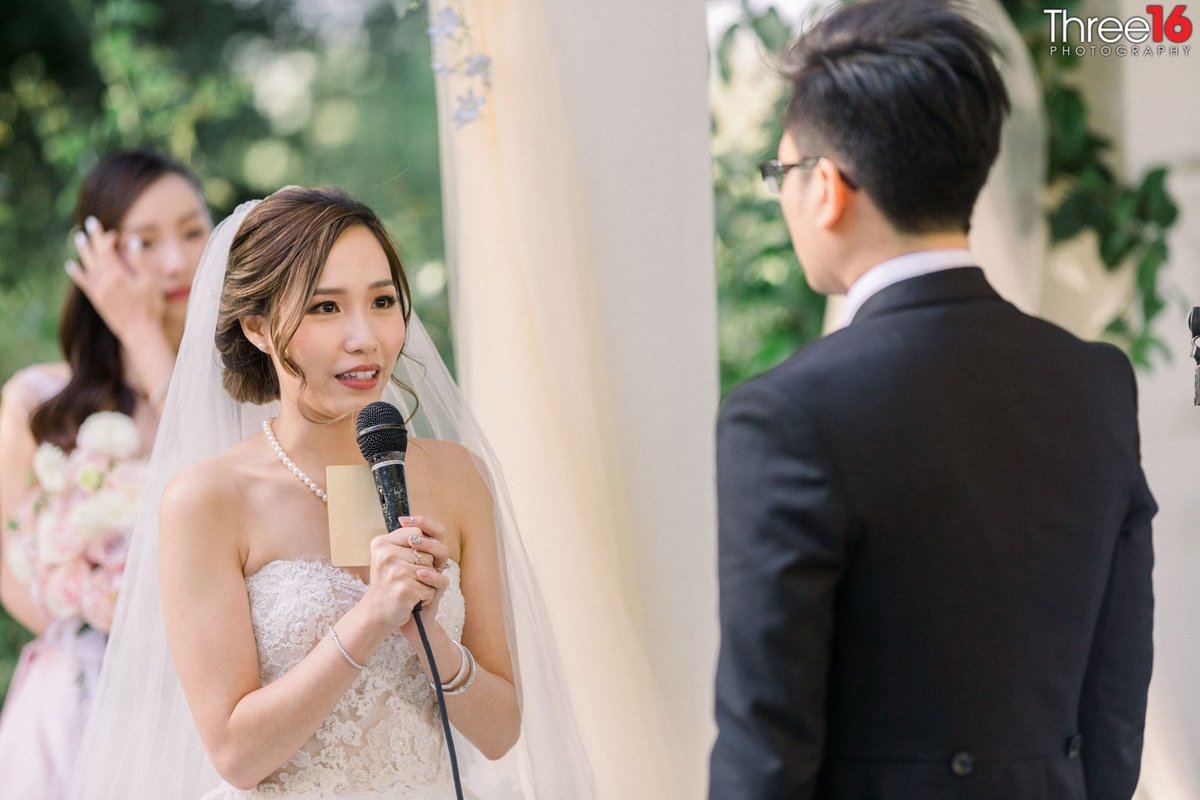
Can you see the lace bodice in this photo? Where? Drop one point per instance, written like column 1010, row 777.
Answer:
column 384, row 736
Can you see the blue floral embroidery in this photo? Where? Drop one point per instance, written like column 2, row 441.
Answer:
column 445, row 25
column 468, row 108
column 457, row 60
column 480, row 65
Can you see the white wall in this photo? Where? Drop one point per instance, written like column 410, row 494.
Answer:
column 1160, row 124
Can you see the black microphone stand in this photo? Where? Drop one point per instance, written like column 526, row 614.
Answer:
column 1194, row 325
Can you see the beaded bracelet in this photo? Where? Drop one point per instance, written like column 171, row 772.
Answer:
column 349, row 658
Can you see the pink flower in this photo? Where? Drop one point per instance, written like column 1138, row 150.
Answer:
column 57, row 541
column 71, row 538
column 62, row 588
column 100, row 598
column 110, row 551
column 127, row 478
column 20, row 555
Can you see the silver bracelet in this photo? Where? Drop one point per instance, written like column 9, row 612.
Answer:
column 463, row 664
column 470, row 678
column 349, row 658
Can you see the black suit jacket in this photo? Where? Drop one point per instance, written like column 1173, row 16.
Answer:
column 935, row 561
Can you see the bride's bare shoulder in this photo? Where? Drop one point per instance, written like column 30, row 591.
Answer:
column 448, row 462
column 214, row 488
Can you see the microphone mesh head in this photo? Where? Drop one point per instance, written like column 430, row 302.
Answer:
column 380, row 429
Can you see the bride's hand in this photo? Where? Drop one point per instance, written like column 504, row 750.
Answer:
column 424, row 536
column 398, row 583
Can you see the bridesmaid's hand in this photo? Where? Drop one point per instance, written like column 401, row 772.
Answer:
column 126, row 292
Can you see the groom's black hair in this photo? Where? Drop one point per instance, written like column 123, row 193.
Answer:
column 905, row 97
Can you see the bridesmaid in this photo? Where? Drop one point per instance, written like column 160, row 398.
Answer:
column 143, row 224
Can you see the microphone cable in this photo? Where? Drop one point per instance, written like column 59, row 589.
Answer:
column 441, row 698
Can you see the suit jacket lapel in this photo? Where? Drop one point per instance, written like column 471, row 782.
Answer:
column 946, row 286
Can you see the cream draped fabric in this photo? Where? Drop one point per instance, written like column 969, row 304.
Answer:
column 579, row 232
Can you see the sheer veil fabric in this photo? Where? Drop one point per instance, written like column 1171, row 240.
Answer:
column 141, row 741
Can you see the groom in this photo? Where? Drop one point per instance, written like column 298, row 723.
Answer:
column 935, row 548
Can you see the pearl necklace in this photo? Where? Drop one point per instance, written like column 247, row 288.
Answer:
column 291, row 465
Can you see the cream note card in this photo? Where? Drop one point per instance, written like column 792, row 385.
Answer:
column 354, row 515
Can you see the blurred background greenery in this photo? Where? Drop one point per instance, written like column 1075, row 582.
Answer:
column 255, row 94
column 766, row 309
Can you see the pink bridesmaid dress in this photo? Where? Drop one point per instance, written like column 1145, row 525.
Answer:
column 46, row 710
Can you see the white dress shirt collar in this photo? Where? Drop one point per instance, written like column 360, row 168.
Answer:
column 900, row 268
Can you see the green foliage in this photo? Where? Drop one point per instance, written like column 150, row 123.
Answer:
column 250, row 94
column 767, row 311
column 1130, row 221
column 12, row 638
column 253, row 94
column 766, row 308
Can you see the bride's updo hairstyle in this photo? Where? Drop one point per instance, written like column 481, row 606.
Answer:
column 274, row 263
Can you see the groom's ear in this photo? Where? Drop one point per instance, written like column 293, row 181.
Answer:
column 254, row 329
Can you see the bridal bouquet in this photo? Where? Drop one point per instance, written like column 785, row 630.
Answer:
column 69, row 541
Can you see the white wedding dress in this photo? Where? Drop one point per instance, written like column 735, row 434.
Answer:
column 384, row 737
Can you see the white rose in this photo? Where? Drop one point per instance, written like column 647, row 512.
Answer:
column 110, row 433
column 57, row 543
column 94, row 518
column 50, row 467
column 18, row 558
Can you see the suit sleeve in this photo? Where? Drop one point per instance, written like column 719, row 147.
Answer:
column 1113, row 704
column 782, row 529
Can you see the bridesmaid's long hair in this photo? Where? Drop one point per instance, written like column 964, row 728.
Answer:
column 97, row 381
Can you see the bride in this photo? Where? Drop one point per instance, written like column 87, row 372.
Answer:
column 304, row 679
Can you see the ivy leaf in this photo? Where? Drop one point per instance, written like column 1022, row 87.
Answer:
column 1077, row 212
column 772, row 31
column 1068, row 122
column 1146, row 278
column 1141, row 348
column 1153, row 200
column 778, row 249
column 1118, row 326
column 724, row 52
column 1116, row 247
column 776, row 348
column 1139, row 352
column 1095, row 178
column 1153, row 257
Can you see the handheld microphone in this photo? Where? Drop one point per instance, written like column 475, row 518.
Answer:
column 383, row 441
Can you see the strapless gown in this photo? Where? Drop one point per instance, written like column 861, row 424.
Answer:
column 384, row 737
